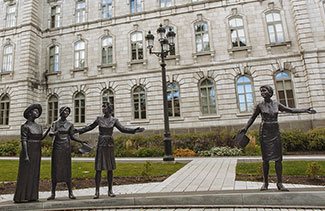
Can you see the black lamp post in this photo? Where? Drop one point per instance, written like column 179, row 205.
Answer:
column 165, row 42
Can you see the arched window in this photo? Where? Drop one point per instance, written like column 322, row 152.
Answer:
column 201, row 36
column 54, row 58
column 173, row 100
column 285, row 89
column 53, row 105
column 107, row 50
column 80, row 11
column 108, row 96
column 274, row 27
column 139, row 103
column 237, row 32
column 207, row 97
column 7, row 61
column 107, row 8
column 4, row 110
column 245, row 94
column 137, row 46
column 79, row 54
column 79, row 108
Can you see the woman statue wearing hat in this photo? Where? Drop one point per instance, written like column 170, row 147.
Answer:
column 105, row 159
column 270, row 137
column 63, row 131
column 30, row 156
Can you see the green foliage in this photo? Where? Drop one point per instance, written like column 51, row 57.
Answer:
column 221, row 151
column 316, row 139
column 147, row 167
column 313, row 169
column 294, row 140
column 46, row 151
column 10, row 148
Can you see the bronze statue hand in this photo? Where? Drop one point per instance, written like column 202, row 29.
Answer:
column 139, row 129
column 75, row 131
column 243, row 130
column 311, row 111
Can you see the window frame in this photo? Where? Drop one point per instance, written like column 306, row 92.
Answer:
column 202, row 37
column 136, row 43
column 55, row 18
column 139, row 111
column 5, row 108
column 11, row 18
column 110, row 9
column 78, row 110
column 173, row 100
column 52, row 108
column 6, row 56
column 80, row 12
column 274, row 24
column 77, row 53
column 53, row 58
column 285, row 90
column 135, row 6
column 245, row 94
column 164, row 2
column 208, row 97
column 236, row 28
column 106, row 48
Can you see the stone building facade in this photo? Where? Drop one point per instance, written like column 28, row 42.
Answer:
column 78, row 53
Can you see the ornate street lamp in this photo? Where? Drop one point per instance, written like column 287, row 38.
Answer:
column 165, row 41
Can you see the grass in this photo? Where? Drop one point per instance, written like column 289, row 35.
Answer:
column 9, row 169
column 290, row 168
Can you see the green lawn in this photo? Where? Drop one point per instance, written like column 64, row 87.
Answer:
column 292, row 168
column 9, row 169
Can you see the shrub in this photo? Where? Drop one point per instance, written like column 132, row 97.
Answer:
column 316, row 139
column 46, row 151
column 252, row 148
column 221, row 151
column 147, row 167
column 294, row 140
column 147, row 152
column 184, row 153
column 10, row 148
column 313, row 169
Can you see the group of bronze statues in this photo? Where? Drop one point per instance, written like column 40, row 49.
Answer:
column 63, row 131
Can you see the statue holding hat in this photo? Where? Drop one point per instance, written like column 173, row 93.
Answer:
column 105, row 158
column 30, row 156
column 63, row 132
column 270, row 137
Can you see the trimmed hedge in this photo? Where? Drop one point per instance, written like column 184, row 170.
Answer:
column 153, row 145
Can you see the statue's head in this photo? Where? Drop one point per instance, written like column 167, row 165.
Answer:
column 65, row 111
column 107, row 107
column 266, row 90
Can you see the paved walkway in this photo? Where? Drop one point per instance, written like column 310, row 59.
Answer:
column 199, row 175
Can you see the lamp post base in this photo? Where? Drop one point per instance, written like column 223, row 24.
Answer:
column 168, row 158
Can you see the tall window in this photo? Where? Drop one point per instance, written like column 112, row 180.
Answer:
column 274, row 27
column 172, row 50
column 80, row 11
column 135, row 6
column 207, row 97
column 173, row 100
column 107, row 50
column 55, row 16
column 7, row 62
column 139, row 103
column 165, row 3
column 137, row 46
column 79, row 108
column 108, row 96
column 201, row 37
column 4, row 110
column 285, row 89
column 107, row 8
column 54, row 58
column 52, row 114
column 79, row 54
column 245, row 94
column 237, row 32
column 11, row 16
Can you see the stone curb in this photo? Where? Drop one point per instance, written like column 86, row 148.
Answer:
column 311, row 199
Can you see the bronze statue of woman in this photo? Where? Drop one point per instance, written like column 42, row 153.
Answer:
column 105, row 158
column 63, row 132
column 270, row 137
column 30, row 156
